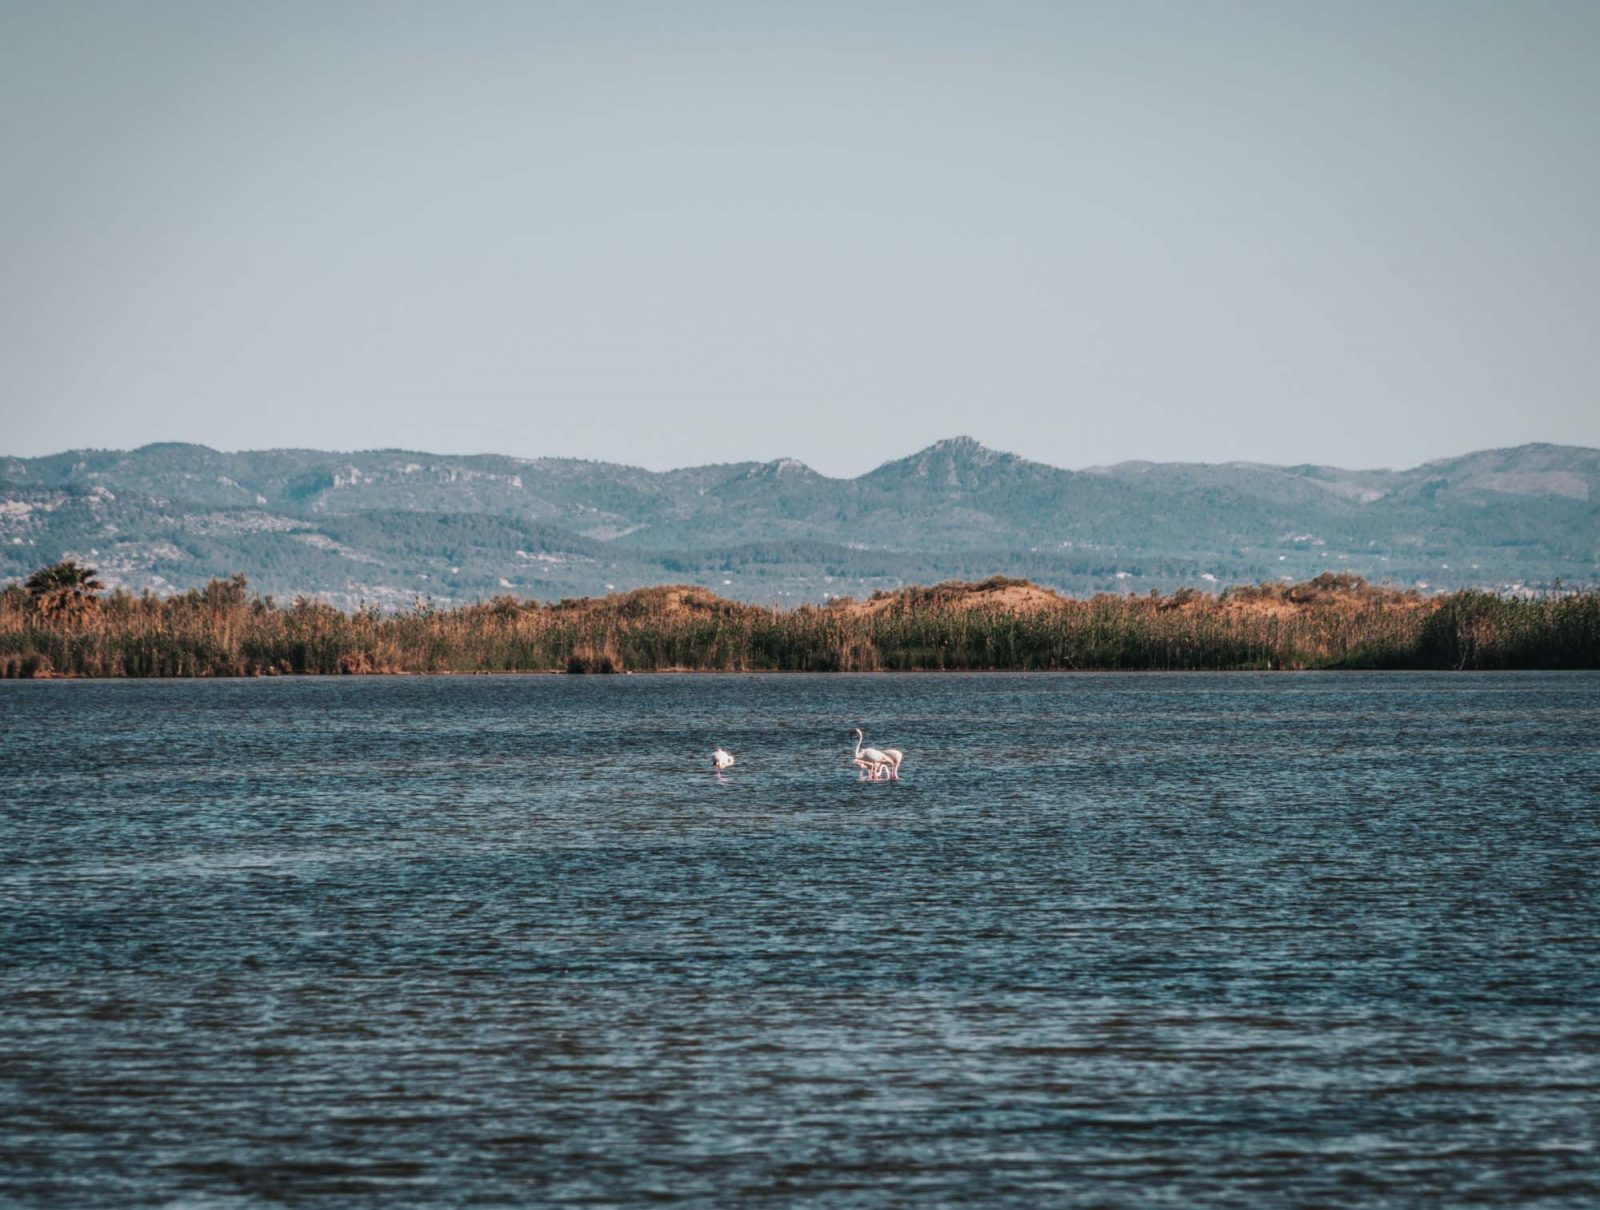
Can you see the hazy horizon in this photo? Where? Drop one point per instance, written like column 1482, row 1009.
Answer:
column 1083, row 233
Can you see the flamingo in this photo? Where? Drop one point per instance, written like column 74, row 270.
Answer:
column 895, row 757
column 721, row 760
column 871, row 758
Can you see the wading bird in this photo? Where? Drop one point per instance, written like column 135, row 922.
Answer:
column 721, row 760
column 874, row 761
column 895, row 757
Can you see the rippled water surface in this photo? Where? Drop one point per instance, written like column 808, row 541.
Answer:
column 1112, row 940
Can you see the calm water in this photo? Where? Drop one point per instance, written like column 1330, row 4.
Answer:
column 1113, row 940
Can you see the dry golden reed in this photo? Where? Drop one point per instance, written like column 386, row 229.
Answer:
column 1333, row 621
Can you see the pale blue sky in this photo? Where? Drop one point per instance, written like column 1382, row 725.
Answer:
column 668, row 234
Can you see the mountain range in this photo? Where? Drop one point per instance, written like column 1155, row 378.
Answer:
column 386, row 527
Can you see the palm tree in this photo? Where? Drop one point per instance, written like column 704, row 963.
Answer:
column 64, row 590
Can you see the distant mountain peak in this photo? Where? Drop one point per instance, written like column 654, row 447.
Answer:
column 963, row 452
column 778, row 468
column 963, row 447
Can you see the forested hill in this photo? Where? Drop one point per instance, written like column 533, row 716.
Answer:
column 389, row 526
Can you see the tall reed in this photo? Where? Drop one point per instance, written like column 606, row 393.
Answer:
column 1329, row 622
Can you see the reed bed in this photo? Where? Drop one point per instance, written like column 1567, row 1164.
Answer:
column 1330, row 622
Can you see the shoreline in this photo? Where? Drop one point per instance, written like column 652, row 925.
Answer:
column 887, row 673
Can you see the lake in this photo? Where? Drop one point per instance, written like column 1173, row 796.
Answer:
column 1113, row 940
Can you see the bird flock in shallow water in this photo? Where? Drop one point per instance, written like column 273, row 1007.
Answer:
column 876, row 764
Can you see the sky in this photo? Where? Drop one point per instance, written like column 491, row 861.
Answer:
column 673, row 234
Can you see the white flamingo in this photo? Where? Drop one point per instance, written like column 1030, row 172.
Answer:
column 721, row 760
column 895, row 757
column 871, row 759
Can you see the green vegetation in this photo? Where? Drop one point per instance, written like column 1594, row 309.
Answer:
column 64, row 591
column 57, row 626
